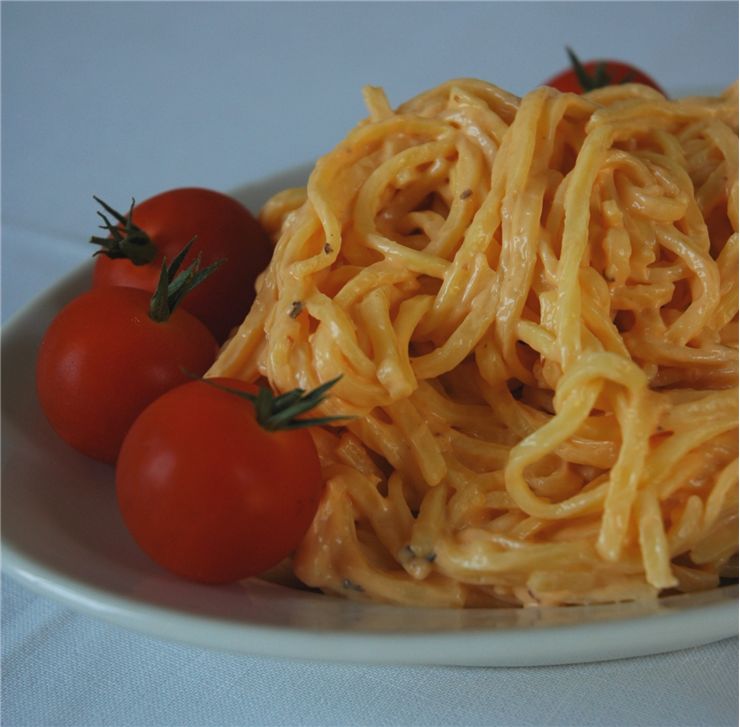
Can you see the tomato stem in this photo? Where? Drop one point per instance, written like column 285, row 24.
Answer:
column 125, row 239
column 173, row 287
column 274, row 413
column 588, row 82
column 598, row 79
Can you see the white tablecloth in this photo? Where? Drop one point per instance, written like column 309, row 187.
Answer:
column 61, row 668
column 127, row 99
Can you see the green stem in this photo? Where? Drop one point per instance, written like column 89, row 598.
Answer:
column 172, row 286
column 282, row 411
column 589, row 82
column 125, row 240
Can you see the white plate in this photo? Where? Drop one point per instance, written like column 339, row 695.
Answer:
column 63, row 537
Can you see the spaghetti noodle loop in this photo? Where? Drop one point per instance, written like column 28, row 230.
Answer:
column 533, row 306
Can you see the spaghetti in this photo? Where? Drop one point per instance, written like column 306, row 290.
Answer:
column 533, row 307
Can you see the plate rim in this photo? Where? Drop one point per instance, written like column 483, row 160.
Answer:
column 629, row 637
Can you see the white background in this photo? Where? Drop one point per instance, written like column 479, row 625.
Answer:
column 129, row 99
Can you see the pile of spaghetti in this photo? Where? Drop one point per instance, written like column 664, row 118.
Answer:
column 532, row 304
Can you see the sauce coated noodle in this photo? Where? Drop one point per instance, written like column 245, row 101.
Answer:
column 533, row 306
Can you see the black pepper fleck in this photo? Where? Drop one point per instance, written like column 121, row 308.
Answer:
column 409, row 552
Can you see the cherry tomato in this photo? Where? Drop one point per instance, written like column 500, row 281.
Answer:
column 223, row 228
column 103, row 359
column 582, row 77
column 207, row 492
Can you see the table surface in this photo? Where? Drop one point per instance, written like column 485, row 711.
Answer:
column 122, row 99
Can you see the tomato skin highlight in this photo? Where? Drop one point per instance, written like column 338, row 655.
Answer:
column 618, row 72
column 103, row 360
column 210, row 495
column 224, row 229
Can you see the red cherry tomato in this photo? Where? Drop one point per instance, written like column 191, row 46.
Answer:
column 208, row 493
column 582, row 77
column 103, row 360
column 224, row 229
